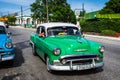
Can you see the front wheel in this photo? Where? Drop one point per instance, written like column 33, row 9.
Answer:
column 99, row 69
column 34, row 51
column 47, row 64
column 10, row 62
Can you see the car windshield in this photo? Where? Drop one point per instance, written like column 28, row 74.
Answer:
column 63, row 30
column 2, row 30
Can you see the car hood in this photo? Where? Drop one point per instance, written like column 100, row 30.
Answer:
column 3, row 38
column 70, row 44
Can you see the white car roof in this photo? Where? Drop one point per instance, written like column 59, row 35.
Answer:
column 2, row 24
column 54, row 24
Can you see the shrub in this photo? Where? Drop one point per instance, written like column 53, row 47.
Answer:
column 90, row 26
column 108, row 32
column 101, row 24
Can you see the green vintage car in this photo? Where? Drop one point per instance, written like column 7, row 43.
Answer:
column 63, row 47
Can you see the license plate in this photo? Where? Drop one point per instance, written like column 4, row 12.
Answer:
column 83, row 67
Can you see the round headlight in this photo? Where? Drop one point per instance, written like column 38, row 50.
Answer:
column 8, row 45
column 63, row 61
column 56, row 51
column 97, row 58
column 102, row 49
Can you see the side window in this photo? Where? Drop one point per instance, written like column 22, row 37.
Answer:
column 41, row 31
column 2, row 30
column 38, row 30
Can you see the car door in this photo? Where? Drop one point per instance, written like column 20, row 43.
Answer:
column 40, row 43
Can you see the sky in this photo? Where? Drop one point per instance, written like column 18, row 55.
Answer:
column 12, row 6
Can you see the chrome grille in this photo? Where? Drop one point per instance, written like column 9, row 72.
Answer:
column 79, row 59
column 80, row 62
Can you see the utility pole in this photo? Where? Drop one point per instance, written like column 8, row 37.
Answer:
column 83, row 10
column 47, row 11
column 21, row 15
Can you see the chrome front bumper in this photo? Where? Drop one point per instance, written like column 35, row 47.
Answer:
column 11, row 57
column 77, row 62
column 75, row 67
column 5, row 57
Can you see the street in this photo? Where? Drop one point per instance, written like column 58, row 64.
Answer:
column 29, row 67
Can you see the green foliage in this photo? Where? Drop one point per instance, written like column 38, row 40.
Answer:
column 58, row 11
column 82, row 13
column 108, row 32
column 90, row 26
column 99, row 25
column 112, row 6
column 11, row 19
column 38, row 10
column 107, row 20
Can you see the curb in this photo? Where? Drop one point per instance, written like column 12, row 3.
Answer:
column 105, row 37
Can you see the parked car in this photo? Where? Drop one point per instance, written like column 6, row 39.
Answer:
column 5, row 24
column 63, row 47
column 2, row 23
column 6, row 46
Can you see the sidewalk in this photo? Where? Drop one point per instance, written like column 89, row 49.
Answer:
column 105, row 37
column 17, row 26
column 22, row 27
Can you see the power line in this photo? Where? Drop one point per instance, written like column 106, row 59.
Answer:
column 22, row 11
column 17, row 12
column 26, row 9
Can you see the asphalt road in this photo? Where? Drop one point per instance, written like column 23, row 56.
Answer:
column 29, row 67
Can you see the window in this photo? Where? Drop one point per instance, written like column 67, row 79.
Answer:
column 2, row 30
column 63, row 30
column 40, row 30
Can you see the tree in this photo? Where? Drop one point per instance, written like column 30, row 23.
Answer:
column 38, row 10
column 11, row 19
column 58, row 11
column 112, row 6
column 61, row 11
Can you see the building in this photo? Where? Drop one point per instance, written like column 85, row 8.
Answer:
column 25, row 21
